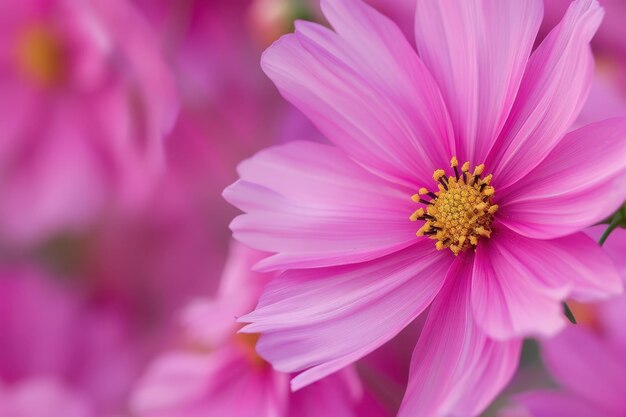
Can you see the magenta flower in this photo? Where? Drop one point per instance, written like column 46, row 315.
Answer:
column 498, row 242
column 220, row 374
column 86, row 100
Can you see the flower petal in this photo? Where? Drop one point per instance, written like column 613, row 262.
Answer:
column 316, row 207
column 456, row 369
column 193, row 384
column 554, row 88
column 477, row 51
column 589, row 365
column 578, row 184
column 518, row 283
column 327, row 318
column 366, row 90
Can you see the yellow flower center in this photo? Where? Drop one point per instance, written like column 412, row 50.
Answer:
column 41, row 56
column 460, row 212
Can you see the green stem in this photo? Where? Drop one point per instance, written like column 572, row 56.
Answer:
column 615, row 222
column 568, row 313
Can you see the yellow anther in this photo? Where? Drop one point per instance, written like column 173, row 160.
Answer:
column 416, row 198
column 461, row 212
column 418, row 213
column 439, row 174
column 481, row 231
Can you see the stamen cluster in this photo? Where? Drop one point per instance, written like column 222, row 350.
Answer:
column 460, row 212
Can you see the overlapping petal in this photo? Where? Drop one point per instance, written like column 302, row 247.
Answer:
column 578, row 184
column 518, row 282
column 555, row 85
column 456, row 368
column 366, row 90
column 315, row 207
column 477, row 52
column 326, row 318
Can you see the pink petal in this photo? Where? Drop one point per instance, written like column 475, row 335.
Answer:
column 578, row 184
column 327, row 318
column 554, row 88
column 611, row 314
column 554, row 404
column 456, row 369
column 588, row 365
column 366, row 90
column 477, row 51
column 316, row 207
column 518, row 283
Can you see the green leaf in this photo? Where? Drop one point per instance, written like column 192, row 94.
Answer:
column 568, row 313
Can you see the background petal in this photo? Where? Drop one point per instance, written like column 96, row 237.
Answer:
column 589, row 365
column 555, row 404
column 196, row 384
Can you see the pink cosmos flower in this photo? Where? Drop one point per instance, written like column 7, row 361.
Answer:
column 588, row 361
column 86, row 100
column 219, row 373
column 498, row 241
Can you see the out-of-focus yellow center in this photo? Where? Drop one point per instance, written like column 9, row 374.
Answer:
column 248, row 341
column 41, row 55
column 460, row 212
column 586, row 315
